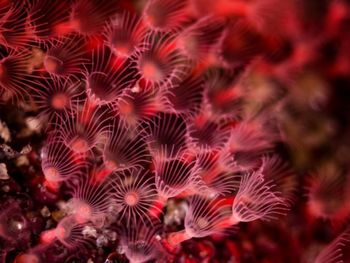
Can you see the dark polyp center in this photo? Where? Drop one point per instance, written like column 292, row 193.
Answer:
column 151, row 70
column 206, row 134
column 122, row 48
column 52, row 174
column 98, row 85
column 59, row 101
column 53, row 65
column 131, row 198
column 114, row 161
column 79, row 145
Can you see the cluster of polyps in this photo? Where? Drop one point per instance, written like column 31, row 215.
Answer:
column 140, row 107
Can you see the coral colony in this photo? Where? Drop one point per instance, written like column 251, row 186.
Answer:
column 174, row 131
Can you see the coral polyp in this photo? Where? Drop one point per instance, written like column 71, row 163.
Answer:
column 110, row 76
column 66, row 56
column 14, row 67
column 125, row 34
column 135, row 196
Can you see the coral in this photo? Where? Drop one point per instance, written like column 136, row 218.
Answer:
column 174, row 131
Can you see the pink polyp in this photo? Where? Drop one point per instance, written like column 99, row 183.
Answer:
column 138, row 241
column 328, row 192
column 59, row 101
column 205, row 133
column 52, row 64
column 69, row 233
column 125, row 34
column 13, row 30
column 166, row 14
column 52, row 174
column 160, row 63
column 96, row 85
column 88, row 17
column 124, row 149
column 131, row 198
column 206, row 217
column 110, row 77
column 256, row 200
column 79, row 145
column 165, row 133
column 135, row 196
column 14, row 72
column 55, row 97
column 240, row 43
column 58, row 162
column 91, row 200
column 151, row 71
column 44, row 17
column 84, row 130
column 186, row 97
column 334, row 252
column 279, row 171
column 82, row 211
column 249, row 136
column 199, row 40
column 223, row 97
column 173, row 175
column 66, row 56
column 138, row 105
column 218, row 174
